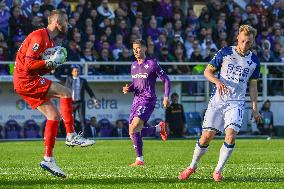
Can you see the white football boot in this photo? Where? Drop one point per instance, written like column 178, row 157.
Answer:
column 79, row 140
column 51, row 167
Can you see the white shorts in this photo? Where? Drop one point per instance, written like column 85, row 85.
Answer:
column 219, row 117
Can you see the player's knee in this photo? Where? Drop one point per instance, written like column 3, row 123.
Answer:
column 67, row 93
column 134, row 128
column 230, row 139
column 54, row 116
column 203, row 141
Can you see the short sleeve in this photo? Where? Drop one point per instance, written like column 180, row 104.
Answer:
column 256, row 72
column 217, row 60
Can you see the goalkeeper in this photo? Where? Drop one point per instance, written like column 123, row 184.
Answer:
column 37, row 57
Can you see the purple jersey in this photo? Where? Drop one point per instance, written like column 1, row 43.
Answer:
column 144, row 79
column 143, row 85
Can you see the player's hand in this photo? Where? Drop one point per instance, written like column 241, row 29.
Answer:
column 256, row 115
column 222, row 89
column 166, row 102
column 52, row 65
column 52, row 61
column 96, row 102
column 125, row 89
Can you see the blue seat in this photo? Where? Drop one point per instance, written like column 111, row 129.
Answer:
column 194, row 122
column 12, row 129
column 105, row 128
column 1, row 130
column 31, row 129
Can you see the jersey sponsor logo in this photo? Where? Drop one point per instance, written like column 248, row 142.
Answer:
column 140, row 75
column 35, row 47
column 237, row 73
column 42, row 81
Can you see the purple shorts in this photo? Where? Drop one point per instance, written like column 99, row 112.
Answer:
column 142, row 108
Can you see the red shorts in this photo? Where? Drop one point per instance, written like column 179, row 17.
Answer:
column 34, row 92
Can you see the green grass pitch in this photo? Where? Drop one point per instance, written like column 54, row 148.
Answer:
column 255, row 163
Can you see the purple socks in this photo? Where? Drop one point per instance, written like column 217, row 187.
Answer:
column 138, row 144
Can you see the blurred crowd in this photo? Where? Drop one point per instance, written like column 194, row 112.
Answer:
column 103, row 31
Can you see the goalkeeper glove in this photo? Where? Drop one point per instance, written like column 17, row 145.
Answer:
column 57, row 59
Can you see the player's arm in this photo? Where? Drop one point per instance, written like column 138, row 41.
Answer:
column 32, row 61
column 165, row 78
column 44, row 71
column 131, row 87
column 253, row 91
column 209, row 74
column 213, row 66
column 128, row 88
column 253, row 95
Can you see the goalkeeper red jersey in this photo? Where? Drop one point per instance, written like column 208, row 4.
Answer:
column 28, row 61
column 29, row 67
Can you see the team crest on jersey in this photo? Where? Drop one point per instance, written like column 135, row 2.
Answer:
column 35, row 47
column 249, row 63
column 146, row 66
column 42, row 81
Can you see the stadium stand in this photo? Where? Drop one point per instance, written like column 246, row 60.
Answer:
column 175, row 31
column 31, row 129
column 194, row 122
column 13, row 130
column 106, row 128
column 102, row 30
column 1, row 132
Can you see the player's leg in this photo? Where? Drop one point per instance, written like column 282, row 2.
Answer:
column 66, row 110
column 200, row 149
column 50, row 132
column 152, row 130
column 233, row 120
column 135, row 133
column 211, row 125
column 143, row 111
column 225, row 153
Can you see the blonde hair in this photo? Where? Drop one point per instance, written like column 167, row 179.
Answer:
column 247, row 29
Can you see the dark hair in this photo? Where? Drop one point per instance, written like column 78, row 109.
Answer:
column 174, row 94
column 140, row 42
column 263, row 106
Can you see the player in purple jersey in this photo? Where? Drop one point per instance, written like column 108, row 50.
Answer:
column 144, row 73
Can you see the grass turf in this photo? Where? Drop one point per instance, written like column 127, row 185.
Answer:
column 255, row 163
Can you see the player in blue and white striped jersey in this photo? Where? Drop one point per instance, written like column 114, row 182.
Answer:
column 236, row 66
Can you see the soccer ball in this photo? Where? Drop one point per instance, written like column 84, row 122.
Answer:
column 56, row 53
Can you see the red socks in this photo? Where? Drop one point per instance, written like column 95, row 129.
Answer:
column 66, row 111
column 50, row 134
